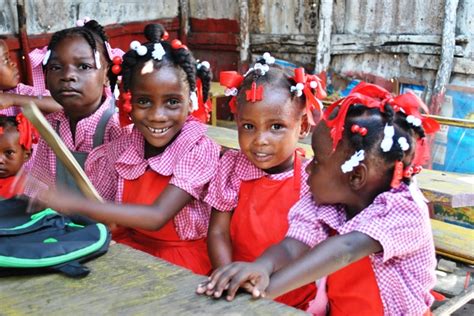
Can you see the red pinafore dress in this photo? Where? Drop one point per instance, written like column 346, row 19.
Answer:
column 164, row 243
column 11, row 186
column 260, row 220
column 352, row 290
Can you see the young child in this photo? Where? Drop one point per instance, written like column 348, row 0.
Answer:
column 77, row 66
column 160, row 170
column 255, row 187
column 368, row 229
column 13, row 94
column 17, row 135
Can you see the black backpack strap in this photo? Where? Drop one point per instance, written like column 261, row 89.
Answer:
column 73, row 269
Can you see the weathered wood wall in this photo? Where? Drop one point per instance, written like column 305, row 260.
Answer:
column 377, row 39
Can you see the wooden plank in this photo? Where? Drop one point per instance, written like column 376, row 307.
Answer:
column 460, row 65
column 244, row 43
column 323, row 37
column 62, row 152
column 447, row 56
column 455, row 303
column 379, row 40
column 124, row 282
column 453, row 189
column 454, row 241
column 395, row 48
column 283, row 39
column 184, row 21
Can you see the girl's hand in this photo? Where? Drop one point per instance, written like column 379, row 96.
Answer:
column 249, row 276
column 60, row 200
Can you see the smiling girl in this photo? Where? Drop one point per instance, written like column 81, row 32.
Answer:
column 256, row 186
column 160, row 170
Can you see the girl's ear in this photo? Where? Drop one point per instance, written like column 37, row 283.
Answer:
column 358, row 177
column 26, row 155
column 305, row 127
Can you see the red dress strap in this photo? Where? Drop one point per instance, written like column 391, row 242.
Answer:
column 11, row 186
column 165, row 242
column 260, row 220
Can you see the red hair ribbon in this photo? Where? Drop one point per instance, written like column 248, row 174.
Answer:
column 125, row 107
column 397, row 174
column 373, row 96
column 1, row 130
column 28, row 134
column 232, row 81
column 312, row 99
column 254, row 93
column 204, row 108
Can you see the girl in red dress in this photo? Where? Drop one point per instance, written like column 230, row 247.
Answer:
column 255, row 187
column 159, row 171
column 17, row 135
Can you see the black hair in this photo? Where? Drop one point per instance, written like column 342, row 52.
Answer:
column 8, row 121
column 94, row 35
column 181, row 57
column 374, row 121
column 276, row 77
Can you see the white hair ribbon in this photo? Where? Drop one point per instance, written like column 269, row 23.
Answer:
column 402, row 141
column 158, row 51
column 387, row 141
column 46, row 57
column 353, row 162
column 194, row 101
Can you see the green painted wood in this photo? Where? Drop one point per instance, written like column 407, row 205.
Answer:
column 124, row 282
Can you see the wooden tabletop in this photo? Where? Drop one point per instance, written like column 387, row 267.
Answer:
column 124, row 282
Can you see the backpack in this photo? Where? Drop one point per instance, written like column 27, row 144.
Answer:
column 47, row 241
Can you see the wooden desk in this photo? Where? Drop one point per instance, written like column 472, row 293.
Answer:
column 124, row 282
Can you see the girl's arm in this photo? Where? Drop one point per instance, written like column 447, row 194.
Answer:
column 45, row 104
column 327, row 257
column 218, row 239
column 148, row 217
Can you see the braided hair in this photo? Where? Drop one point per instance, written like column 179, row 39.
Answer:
column 276, row 77
column 94, row 35
column 176, row 55
column 374, row 121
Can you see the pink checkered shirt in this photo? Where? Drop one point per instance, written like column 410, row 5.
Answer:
column 44, row 165
column 191, row 160
column 36, row 60
column 234, row 167
column 404, row 270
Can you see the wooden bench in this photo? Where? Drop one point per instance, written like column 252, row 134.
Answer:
column 124, row 282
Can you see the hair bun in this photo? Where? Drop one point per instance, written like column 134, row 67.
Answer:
column 94, row 26
column 154, row 32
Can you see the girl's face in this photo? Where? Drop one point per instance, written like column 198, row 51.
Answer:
column 12, row 154
column 73, row 78
column 160, row 105
column 9, row 76
column 328, row 184
column 269, row 130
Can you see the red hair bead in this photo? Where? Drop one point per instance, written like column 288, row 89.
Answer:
column 117, row 60
column 363, row 131
column 116, row 69
column 355, row 128
column 165, row 36
column 176, row 44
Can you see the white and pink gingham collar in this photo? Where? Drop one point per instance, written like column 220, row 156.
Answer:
column 131, row 164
